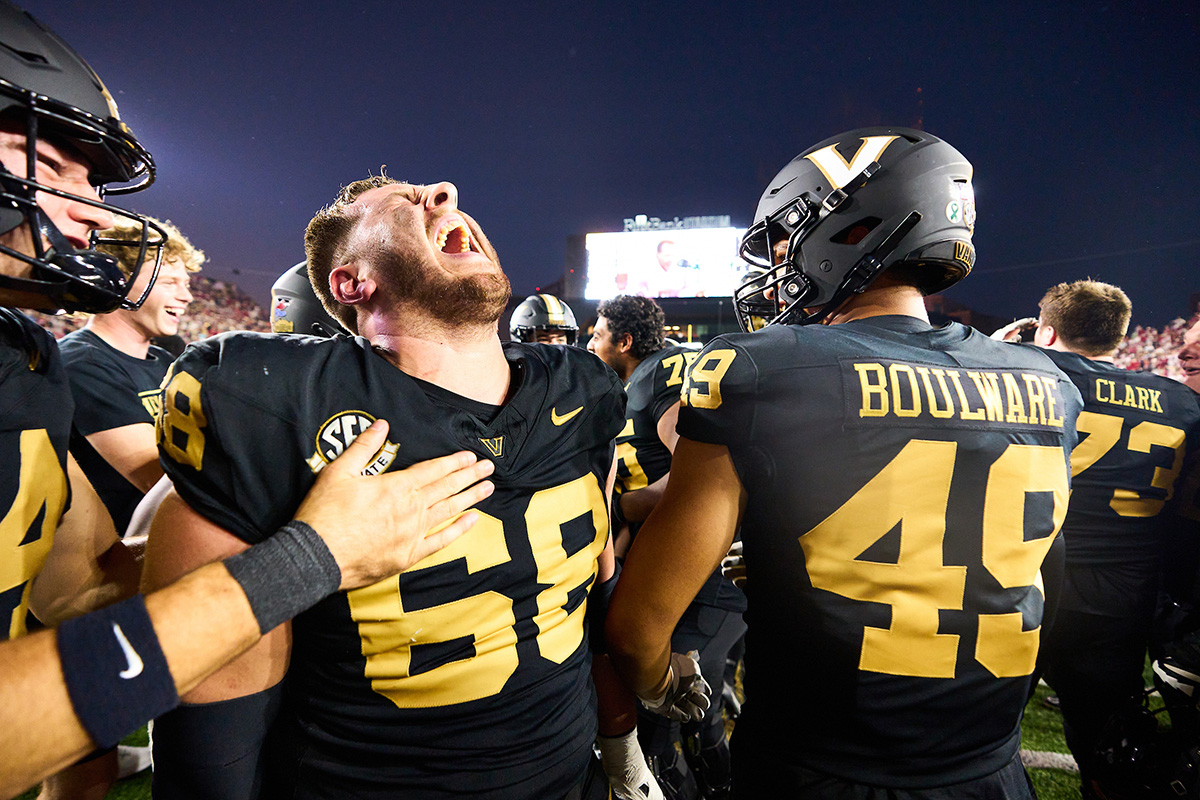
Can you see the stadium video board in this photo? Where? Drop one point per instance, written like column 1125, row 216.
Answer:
column 684, row 262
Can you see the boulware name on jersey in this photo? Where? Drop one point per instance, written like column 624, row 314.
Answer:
column 901, row 391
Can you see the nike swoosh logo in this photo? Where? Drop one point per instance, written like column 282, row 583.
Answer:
column 135, row 661
column 558, row 419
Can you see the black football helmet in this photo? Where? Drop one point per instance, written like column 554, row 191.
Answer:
column 295, row 307
column 755, row 310
column 849, row 208
column 542, row 312
column 47, row 91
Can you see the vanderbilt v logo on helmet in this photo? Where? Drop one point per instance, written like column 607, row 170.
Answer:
column 837, row 170
column 849, row 208
column 48, row 92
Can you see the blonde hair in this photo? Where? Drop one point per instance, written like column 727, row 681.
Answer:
column 176, row 247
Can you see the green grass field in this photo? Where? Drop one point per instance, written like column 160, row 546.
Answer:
column 1042, row 730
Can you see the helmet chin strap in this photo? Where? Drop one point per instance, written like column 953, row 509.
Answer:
column 95, row 276
column 857, row 279
column 65, row 278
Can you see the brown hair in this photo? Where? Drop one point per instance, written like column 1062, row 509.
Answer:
column 1090, row 317
column 326, row 241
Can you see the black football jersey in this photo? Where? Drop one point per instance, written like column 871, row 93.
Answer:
column 642, row 458
column 1136, row 430
column 653, row 388
column 35, row 410
column 905, row 484
column 111, row 390
column 469, row 673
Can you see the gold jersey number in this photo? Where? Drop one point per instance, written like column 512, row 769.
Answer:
column 181, row 421
column 40, row 497
column 1104, row 431
column 389, row 631
column 913, row 491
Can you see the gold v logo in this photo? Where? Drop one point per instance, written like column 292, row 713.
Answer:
column 838, row 170
column 558, row 419
column 495, row 446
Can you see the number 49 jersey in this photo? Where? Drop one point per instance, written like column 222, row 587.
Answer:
column 469, row 673
column 905, row 484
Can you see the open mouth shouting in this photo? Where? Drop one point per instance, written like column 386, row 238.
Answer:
column 455, row 237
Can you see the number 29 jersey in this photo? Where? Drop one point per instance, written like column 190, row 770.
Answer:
column 469, row 673
column 905, row 484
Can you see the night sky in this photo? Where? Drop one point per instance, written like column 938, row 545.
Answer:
column 1082, row 120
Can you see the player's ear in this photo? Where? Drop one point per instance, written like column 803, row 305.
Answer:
column 1045, row 335
column 626, row 343
column 348, row 286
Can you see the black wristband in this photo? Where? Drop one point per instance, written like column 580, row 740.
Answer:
column 115, row 670
column 617, row 514
column 288, row 573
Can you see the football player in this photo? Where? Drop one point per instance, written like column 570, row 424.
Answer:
column 469, row 674
column 543, row 318
column 100, row 676
column 629, row 338
column 1140, row 428
column 899, row 490
column 116, row 371
column 57, row 158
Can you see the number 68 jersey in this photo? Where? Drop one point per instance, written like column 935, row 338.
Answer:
column 905, row 484
column 469, row 673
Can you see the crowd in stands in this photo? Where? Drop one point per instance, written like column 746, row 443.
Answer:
column 218, row 307
column 1154, row 350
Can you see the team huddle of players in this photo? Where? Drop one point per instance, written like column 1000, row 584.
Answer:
column 926, row 518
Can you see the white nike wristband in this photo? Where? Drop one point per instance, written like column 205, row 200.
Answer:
column 115, row 670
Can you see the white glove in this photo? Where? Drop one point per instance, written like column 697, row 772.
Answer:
column 626, row 769
column 685, row 697
column 733, row 565
column 1013, row 330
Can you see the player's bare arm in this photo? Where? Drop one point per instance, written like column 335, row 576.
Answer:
column 204, row 619
column 131, row 451
column 88, row 566
column 680, row 545
column 182, row 540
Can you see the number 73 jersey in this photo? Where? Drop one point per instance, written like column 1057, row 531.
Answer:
column 471, row 669
column 1136, row 431
column 905, row 484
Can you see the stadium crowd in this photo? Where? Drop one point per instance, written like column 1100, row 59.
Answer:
column 217, row 306
column 1150, row 349
column 531, row 586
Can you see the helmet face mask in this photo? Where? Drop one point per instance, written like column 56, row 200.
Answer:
column 902, row 196
column 48, row 93
column 542, row 313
